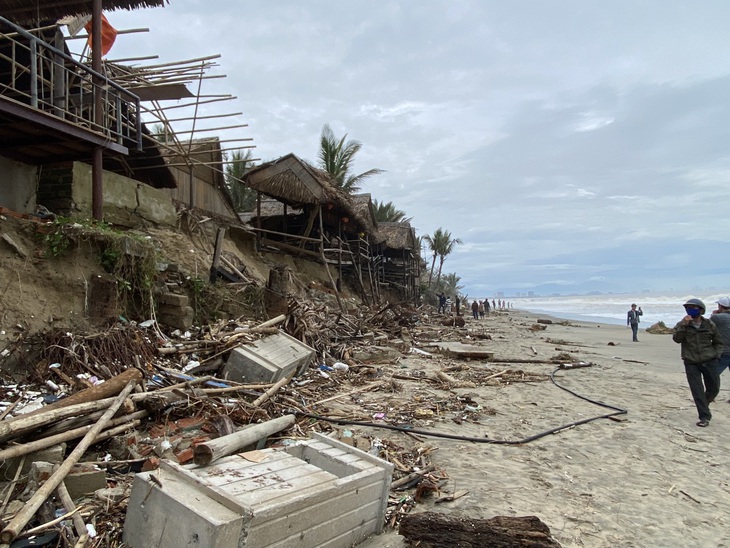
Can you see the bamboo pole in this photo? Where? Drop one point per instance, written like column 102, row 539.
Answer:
column 208, row 452
column 271, row 391
column 22, row 518
column 121, row 424
column 69, row 505
column 107, row 389
column 20, row 425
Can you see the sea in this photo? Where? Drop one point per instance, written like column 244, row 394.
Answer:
column 612, row 309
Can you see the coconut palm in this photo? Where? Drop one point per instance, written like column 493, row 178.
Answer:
column 336, row 158
column 441, row 245
column 451, row 285
column 243, row 197
column 386, row 212
column 434, row 243
column 446, row 249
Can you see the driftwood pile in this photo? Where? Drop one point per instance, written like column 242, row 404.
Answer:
column 161, row 398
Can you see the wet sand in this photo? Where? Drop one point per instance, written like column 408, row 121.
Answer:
column 652, row 479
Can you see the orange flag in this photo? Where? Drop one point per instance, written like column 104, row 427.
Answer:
column 108, row 34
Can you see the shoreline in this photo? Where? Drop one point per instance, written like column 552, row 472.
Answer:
column 647, row 478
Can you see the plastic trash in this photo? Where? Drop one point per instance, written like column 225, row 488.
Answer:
column 192, row 364
column 420, row 352
column 324, row 367
column 339, row 366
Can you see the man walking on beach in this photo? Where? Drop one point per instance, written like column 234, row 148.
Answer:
column 701, row 346
column 632, row 320
column 721, row 318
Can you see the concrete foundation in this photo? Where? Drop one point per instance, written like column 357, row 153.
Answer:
column 268, row 360
column 319, row 493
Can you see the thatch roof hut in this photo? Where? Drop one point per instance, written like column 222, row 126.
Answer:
column 401, row 236
column 35, row 12
column 298, row 184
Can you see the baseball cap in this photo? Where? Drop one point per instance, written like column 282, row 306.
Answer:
column 724, row 302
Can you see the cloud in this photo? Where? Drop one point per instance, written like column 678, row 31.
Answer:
column 584, row 137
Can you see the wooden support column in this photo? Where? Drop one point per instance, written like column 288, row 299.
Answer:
column 97, row 165
column 324, row 259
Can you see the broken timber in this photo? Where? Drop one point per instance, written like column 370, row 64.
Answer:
column 431, row 530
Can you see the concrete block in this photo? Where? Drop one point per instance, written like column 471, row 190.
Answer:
column 173, row 299
column 84, row 480
column 54, row 455
column 318, row 493
column 181, row 318
column 110, row 495
column 268, row 360
column 178, row 514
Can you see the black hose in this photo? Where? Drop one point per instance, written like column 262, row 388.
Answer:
column 617, row 411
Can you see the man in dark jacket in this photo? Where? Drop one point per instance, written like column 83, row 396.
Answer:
column 632, row 320
column 701, row 347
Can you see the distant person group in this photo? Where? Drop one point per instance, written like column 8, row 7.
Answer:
column 479, row 309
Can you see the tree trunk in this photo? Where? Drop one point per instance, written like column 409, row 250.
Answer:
column 432, row 530
column 107, row 389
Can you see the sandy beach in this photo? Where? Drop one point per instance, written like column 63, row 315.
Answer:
column 653, row 478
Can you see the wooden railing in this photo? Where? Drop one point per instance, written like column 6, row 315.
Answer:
column 37, row 74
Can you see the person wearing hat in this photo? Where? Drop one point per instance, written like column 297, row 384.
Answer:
column 721, row 318
column 701, row 347
column 632, row 320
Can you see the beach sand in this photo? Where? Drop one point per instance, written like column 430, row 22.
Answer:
column 652, row 479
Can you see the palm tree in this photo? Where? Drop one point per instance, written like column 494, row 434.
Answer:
column 336, row 158
column 440, row 245
column 244, row 198
column 451, row 284
column 447, row 247
column 434, row 243
column 385, row 212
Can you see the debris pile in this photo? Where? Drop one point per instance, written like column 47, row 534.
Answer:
column 125, row 400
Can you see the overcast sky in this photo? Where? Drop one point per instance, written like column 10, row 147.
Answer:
column 571, row 145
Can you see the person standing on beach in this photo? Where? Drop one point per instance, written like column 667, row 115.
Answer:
column 442, row 303
column 632, row 320
column 480, row 308
column 701, row 347
column 447, row 306
column 458, row 304
column 721, row 318
column 475, row 309
column 486, row 306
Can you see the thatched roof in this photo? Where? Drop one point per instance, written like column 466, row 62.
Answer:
column 296, row 183
column 398, row 236
column 363, row 206
column 32, row 12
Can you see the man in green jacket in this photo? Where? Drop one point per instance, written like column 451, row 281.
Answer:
column 701, row 347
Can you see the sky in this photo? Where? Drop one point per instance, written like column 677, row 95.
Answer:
column 572, row 145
